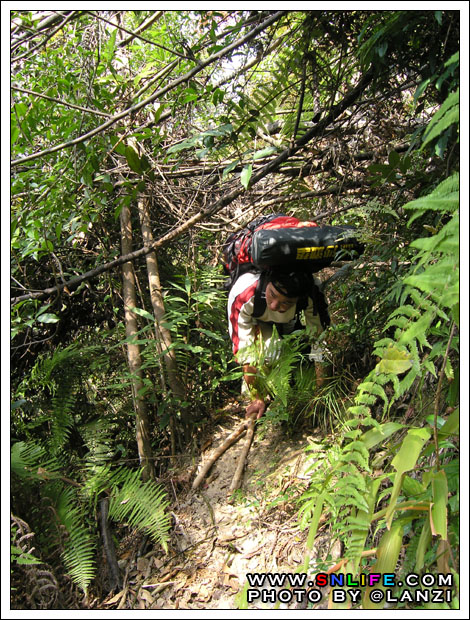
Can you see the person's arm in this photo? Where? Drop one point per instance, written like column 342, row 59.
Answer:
column 242, row 328
column 257, row 406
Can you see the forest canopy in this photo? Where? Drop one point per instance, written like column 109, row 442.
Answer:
column 139, row 141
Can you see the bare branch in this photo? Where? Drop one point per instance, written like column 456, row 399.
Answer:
column 45, row 23
column 71, row 15
column 137, row 36
column 143, row 26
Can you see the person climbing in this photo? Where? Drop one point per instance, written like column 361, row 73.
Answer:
column 257, row 302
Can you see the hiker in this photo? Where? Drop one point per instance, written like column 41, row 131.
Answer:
column 257, row 301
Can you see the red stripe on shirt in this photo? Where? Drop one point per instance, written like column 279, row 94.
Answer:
column 237, row 305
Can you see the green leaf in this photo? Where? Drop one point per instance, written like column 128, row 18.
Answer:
column 433, row 202
column 441, row 280
column 110, row 47
column 143, row 313
column 47, row 318
column 411, row 486
column 404, row 461
column 394, row 159
column 451, row 425
column 394, row 361
column 119, row 147
column 439, row 507
column 425, row 539
column 388, row 552
column 246, row 175
column 410, row 449
column 269, row 150
column 133, row 159
column 27, row 558
column 229, row 168
column 447, row 114
column 14, row 134
column 376, row 435
column 185, row 144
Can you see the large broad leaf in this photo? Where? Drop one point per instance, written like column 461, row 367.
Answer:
column 394, row 361
column 246, row 175
column 439, row 506
column 133, row 160
column 410, row 450
column 404, row 461
column 388, row 552
column 376, row 435
column 48, row 317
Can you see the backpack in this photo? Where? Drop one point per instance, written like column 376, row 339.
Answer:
column 275, row 240
column 278, row 239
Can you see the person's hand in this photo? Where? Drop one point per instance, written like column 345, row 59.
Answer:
column 256, row 409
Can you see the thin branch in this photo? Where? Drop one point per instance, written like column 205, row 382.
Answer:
column 250, row 64
column 161, row 74
column 45, row 23
column 301, row 98
column 334, row 189
column 230, row 440
column 143, row 26
column 71, row 15
column 134, row 35
column 64, row 103
column 135, row 108
column 236, row 481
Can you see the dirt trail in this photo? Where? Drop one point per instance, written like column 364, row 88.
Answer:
column 217, row 539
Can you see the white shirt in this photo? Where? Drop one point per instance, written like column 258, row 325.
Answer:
column 246, row 330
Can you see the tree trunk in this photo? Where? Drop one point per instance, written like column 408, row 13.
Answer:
column 163, row 334
column 133, row 351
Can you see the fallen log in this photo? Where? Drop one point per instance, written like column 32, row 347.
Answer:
column 231, row 439
column 244, row 453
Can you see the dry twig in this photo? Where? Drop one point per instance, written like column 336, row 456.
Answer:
column 231, row 439
column 241, row 463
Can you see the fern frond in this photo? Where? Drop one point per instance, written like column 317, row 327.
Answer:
column 31, row 461
column 142, row 504
column 448, row 186
column 444, row 198
column 25, row 457
column 448, row 114
column 80, row 543
column 97, row 436
column 376, row 389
